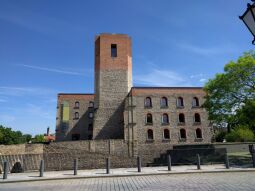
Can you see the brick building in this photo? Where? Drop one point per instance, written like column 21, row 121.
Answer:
column 138, row 115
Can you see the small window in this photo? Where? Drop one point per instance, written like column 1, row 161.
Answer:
column 198, row 133
column 91, row 104
column 195, row 102
column 180, row 102
column 75, row 137
column 148, row 119
column 91, row 115
column 90, row 128
column 166, row 134
column 150, row 134
column 76, row 115
column 77, row 104
column 114, row 50
column 183, row 134
column 163, row 102
column 147, row 102
column 165, row 119
column 197, row 118
column 181, row 118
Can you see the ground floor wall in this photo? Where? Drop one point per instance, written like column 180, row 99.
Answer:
column 91, row 154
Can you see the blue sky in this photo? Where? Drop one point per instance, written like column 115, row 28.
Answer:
column 47, row 47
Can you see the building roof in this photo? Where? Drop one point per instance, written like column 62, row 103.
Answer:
column 65, row 96
column 166, row 90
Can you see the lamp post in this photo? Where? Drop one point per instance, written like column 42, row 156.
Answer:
column 249, row 19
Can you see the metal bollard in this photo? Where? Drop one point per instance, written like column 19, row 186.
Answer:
column 139, row 164
column 107, row 165
column 169, row 163
column 253, row 159
column 41, row 168
column 227, row 161
column 75, row 167
column 6, row 167
column 198, row 162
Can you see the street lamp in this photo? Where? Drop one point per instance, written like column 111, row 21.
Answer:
column 249, row 19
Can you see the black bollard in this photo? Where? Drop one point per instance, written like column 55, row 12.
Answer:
column 6, row 166
column 227, row 161
column 41, row 168
column 253, row 159
column 139, row 164
column 198, row 162
column 107, row 165
column 169, row 163
column 75, row 166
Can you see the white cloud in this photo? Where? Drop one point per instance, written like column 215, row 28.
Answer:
column 209, row 51
column 202, row 80
column 61, row 71
column 158, row 77
column 23, row 91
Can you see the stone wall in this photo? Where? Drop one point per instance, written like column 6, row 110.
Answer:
column 113, row 80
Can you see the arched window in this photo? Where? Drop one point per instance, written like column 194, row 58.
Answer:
column 166, row 134
column 150, row 134
column 165, row 119
column 148, row 119
column 76, row 115
column 180, row 102
column 147, row 102
column 197, row 118
column 195, row 102
column 163, row 102
column 77, row 104
column 91, row 104
column 181, row 118
column 183, row 134
column 198, row 133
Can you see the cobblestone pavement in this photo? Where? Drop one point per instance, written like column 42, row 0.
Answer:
column 181, row 182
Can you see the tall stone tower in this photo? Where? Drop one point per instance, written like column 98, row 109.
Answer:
column 113, row 81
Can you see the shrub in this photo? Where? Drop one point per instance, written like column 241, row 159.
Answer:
column 240, row 134
column 220, row 136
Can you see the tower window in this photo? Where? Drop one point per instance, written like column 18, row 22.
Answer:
column 114, row 50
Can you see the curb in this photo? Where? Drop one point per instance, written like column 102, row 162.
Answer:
column 127, row 175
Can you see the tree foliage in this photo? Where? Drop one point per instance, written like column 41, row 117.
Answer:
column 240, row 134
column 38, row 139
column 231, row 92
column 9, row 137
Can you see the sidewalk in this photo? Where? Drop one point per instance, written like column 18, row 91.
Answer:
column 119, row 172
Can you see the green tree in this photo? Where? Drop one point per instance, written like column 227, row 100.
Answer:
column 240, row 134
column 8, row 136
column 38, row 139
column 246, row 115
column 229, row 91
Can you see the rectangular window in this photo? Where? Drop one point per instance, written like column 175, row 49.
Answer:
column 114, row 50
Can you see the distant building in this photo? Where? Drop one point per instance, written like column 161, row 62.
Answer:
column 117, row 110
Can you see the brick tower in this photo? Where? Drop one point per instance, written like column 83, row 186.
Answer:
column 113, row 81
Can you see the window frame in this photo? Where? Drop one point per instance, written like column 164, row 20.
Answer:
column 76, row 105
column 178, row 102
column 146, row 105
column 114, row 51
column 150, row 130
column 169, row 135
column 196, row 100
column 146, row 119
column 183, row 138
column 162, row 119
column 166, row 102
